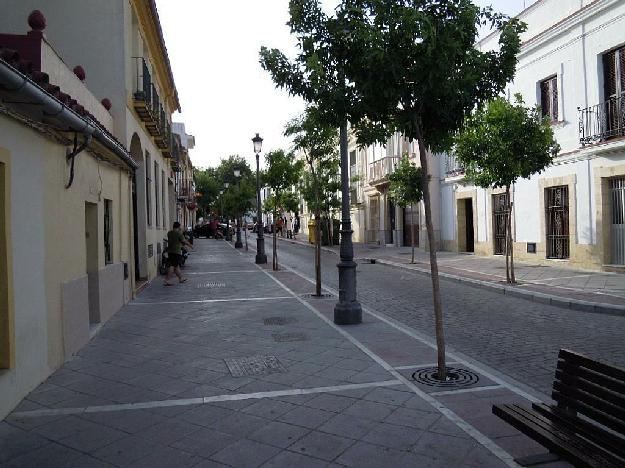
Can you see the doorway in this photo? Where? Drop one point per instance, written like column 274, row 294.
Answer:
column 5, row 319
column 617, row 228
column 139, row 212
column 557, row 214
column 391, row 223
column 500, row 212
column 92, row 265
column 466, row 236
column 411, row 225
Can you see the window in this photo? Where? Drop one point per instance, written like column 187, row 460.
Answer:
column 108, row 231
column 549, row 98
column 557, row 214
column 148, row 187
column 157, row 194
column 163, row 185
column 614, row 73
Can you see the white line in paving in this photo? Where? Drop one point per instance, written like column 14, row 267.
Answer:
column 420, row 366
column 204, row 301
column 467, row 390
column 491, row 446
column 540, row 280
column 203, row 400
column 220, row 272
column 452, row 355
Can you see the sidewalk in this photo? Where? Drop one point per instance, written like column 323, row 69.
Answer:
column 575, row 289
column 241, row 367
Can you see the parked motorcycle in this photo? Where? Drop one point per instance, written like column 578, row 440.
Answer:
column 164, row 265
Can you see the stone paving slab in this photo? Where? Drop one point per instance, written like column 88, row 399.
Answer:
column 153, row 387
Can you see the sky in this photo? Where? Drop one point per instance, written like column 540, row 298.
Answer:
column 225, row 95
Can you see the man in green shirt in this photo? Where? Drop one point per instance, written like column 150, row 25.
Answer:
column 175, row 241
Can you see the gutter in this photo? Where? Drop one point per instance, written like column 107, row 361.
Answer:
column 18, row 83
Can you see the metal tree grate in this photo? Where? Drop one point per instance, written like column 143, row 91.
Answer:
column 288, row 337
column 456, row 377
column 210, row 285
column 254, row 365
column 314, row 296
column 278, row 320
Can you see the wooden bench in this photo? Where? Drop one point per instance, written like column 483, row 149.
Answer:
column 586, row 426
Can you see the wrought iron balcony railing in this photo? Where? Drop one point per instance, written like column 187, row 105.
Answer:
column 453, row 168
column 602, row 121
column 380, row 170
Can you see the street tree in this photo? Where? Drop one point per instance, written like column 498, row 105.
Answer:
column 207, row 185
column 317, row 74
column 319, row 184
column 240, row 195
column 406, row 188
column 500, row 143
column 415, row 69
column 282, row 172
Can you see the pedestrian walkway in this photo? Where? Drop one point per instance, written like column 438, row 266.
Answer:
column 553, row 284
column 241, row 367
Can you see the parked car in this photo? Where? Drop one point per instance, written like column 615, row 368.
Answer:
column 202, row 230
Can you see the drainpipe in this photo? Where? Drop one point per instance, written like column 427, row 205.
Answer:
column 18, row 83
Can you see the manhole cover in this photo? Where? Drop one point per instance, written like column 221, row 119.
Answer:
column 211, row 285
column 287, row 337
column 456, row 377
column 314, row 296
column 278, row 320
column 254, row 365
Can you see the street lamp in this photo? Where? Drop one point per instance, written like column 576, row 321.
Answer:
column 238, row 244
column 261, row 257
column 221, row 213
column 228, row 236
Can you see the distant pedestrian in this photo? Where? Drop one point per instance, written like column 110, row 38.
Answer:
column 289, row 226
column 175, row 241
column 279, row 225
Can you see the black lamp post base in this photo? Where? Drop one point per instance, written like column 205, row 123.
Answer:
column 261, row 257
column 238, row 245
column 229, row 238
column 348, row 313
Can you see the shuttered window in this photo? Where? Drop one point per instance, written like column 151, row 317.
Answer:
column 614, row 73
column 549, row 97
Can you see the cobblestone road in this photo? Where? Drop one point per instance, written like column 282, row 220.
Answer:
column 515, row 336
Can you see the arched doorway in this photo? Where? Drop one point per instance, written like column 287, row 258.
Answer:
column 139, row 210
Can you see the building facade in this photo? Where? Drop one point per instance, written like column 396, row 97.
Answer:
column 186, row 207
column 572, row 64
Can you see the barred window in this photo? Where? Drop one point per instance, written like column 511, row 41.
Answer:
column 549, row 98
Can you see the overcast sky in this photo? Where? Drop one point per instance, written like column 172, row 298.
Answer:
column 226, row 97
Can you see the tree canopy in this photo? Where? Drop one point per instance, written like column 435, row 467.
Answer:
column 406, row 186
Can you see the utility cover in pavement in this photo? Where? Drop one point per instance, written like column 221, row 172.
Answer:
column 278, row 320
column 210, row 285
column 287, row 337
column 254, row 365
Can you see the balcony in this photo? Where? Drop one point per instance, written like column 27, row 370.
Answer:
column 603, row 121
column 149, row 108
column 380, row 170
column 453, row 168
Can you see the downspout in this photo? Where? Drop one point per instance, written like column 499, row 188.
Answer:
column 14, row 81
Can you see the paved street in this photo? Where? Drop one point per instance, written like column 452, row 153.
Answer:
column 239, row 367
column 513, row 335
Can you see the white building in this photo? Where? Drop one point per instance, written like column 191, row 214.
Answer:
column 572, row 63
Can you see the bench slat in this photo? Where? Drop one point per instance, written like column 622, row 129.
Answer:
column 614, row 372
column 599, row 416
column 578, row 394
column 588, row 430
column 572, row 372
column 555, row 438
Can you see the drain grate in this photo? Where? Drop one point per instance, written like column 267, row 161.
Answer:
column 210, row 285
column 278, row 320
column 254, row 365
column 288, row 337
column 456, row 377
column 314, row 296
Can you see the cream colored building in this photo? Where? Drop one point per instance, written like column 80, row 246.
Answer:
column 65, row 222
column 120, row 45
column 186, row 207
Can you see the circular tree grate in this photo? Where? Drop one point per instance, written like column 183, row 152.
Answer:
column 456, row 377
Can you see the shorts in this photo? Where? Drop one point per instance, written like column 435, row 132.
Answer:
column 174, row 260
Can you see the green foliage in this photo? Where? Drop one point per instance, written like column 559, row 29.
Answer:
column 282, row 171
column 225, row 170
column 406, row 183
column 240, row 196
column 320, row 184
column 414, row 66
column 207, row 184
column 504, row 141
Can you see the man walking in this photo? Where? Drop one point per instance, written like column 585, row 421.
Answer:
column 175, row 241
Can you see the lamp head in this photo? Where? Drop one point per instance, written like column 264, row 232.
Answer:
column 226, row 184
column 237, row 173
column 258, row 143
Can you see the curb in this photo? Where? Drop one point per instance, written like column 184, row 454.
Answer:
column 559, row 301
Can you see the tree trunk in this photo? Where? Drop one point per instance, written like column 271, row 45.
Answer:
column 436, row 291
column 274, row 257
column 317, row 253
column 507, row 234
column 245, row 232
column 511, row 276
column 412, row 230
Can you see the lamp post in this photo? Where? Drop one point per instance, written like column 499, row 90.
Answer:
column 238, row 244
column 221, row 213
column 228, row 236
column 261, row 257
